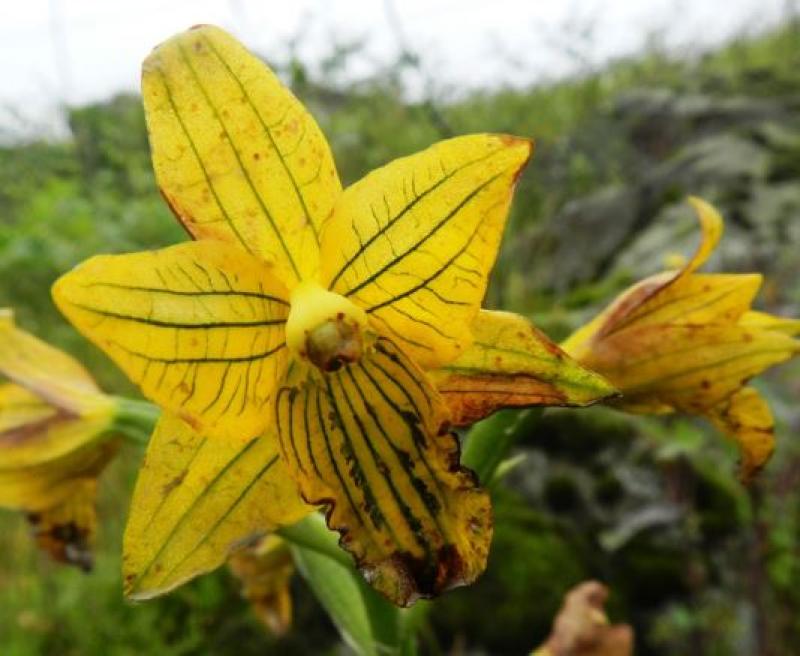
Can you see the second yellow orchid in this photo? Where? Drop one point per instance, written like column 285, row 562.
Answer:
column 290, row 343
column 689, row 342
column 56, row 436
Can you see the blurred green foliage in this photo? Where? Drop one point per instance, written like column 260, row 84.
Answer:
column 696, row 563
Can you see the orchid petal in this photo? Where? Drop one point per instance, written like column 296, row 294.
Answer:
column 236, row 155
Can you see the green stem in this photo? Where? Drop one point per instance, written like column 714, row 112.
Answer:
column 490, row 441
column 135, row 420
column 413, row 621
column 311, row 533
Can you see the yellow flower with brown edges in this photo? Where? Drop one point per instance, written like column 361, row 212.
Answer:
column 55, row 438
column 689, row 342
column 289, row 343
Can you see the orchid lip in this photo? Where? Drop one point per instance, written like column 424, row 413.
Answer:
column 324, row 328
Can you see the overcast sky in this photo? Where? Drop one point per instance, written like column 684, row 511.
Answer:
column 72, row 51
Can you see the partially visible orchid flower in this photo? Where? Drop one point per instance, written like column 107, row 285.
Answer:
column 56, row 436
column 265, row 570
column 683, row 341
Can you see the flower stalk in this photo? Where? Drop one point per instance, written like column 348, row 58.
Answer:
column 489, row 441
column 135, row 420
column 310, row 533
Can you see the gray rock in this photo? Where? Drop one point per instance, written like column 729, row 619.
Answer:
column 741, row 154
column 588, row 234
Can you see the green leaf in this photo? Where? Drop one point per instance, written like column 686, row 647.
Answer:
column 366, row 621
column 489, row 441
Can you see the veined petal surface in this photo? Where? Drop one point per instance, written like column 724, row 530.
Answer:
column 512, row 364
column 371, row 442
column 701, row 298
column 20, row 408
column 746, row 418
column 680, row 296
column 33, row 432
column 413, row 242
column 46, row 371
column 198, row 326
column 236, row 156
column 687, row 367
column 197, row 500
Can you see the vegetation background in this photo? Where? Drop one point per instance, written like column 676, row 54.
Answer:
column 697, row 564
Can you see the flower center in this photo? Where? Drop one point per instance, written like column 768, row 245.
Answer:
column 323, row 327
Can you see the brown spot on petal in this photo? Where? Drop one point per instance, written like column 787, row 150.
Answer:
column 183, row 218
column 175, row 482
column 191, row 420
column 472, row 397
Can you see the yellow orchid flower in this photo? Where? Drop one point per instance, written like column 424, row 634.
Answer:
column 689, row 342
column 54, row 440
column 299, row 327
column 265, row 570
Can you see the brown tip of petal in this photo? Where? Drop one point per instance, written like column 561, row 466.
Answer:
column 177, row 212
column 405, row 579
column 66, row 542
column 512, row 141
column 420, row 578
